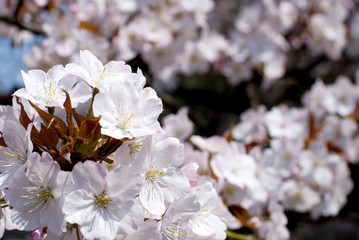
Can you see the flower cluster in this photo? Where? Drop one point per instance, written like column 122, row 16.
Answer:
column 84, row 157
column 282, row 159
column 188, row 37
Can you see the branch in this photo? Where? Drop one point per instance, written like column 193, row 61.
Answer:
column 32, row 28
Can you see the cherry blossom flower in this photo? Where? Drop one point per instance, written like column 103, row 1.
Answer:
column 158, row 162
column 298, row 196
column 36, row 194
column 174, row 224
column 284, row 122
column 128, row 113
column 235, row 166
column 18, row 150
column 102, row 203
column 341, row 97
column 205, row 223
column 275, row 226
column 251, row 127
column 103, row 77
column 178, row 125
column 47, row 89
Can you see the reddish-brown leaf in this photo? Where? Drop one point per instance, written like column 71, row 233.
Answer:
column 51, row 120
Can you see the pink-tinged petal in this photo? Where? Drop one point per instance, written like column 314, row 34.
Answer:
column 38, row 234
column 190, row 170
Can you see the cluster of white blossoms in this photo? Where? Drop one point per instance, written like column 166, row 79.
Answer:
column 186, row 37
column 282, row 159
column 84, row 157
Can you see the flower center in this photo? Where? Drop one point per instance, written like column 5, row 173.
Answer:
column 125, row 120
column 45, row 194
column 153, row 175
column 102, row 200
column 135, row 147
column 52, row 93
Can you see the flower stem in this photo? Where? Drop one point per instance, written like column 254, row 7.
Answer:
column 78, row 232
column 95, row 91
column 239, row 236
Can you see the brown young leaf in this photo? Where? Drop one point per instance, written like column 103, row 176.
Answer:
column 2, row 142
column 49, row 137
column 51, row 120
column 78, row 118
column 24, row 118
column 68, row 109
column 88, row 127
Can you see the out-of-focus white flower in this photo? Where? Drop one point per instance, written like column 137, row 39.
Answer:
column 212, row 144
column 282, row 121
column 339, row 131
column 328, row 36
column 285, row 154
column 335, row 196
column 211, row 44
column 251, row 127
column 249, row 18
column 178, row 125
column 298, row 196
column 318, row 165
column 275, row 227
column 235, row 166
column 201, row 158
column 313, row 99
column 237, row 72
column 341, row 97
column 191, row 60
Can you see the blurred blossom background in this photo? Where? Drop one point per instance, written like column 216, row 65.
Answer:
column 219, row 58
